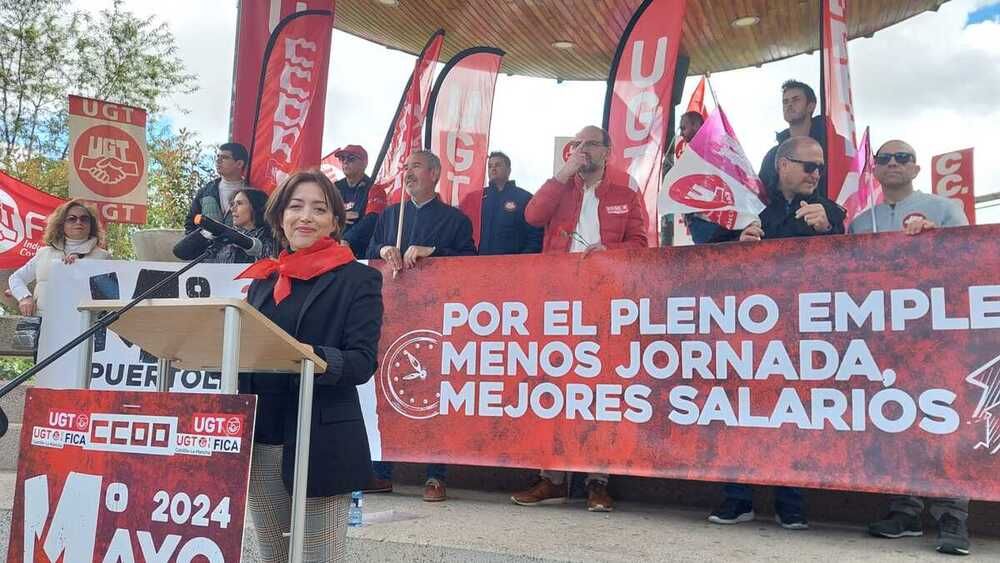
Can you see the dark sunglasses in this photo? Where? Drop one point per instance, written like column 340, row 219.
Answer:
column 82, row 219
column 808, row 167
column 901, row 158
column 349, row 158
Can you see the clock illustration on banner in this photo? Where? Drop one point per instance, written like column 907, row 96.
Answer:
column 410, row 374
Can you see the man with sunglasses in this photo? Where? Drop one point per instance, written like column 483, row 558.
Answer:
column 914, row 212
column 905, row 209
column 585, row 208
column 214, row 198
column 362, row 202
column 795, row 210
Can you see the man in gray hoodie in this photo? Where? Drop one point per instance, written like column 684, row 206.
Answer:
column 914, row 212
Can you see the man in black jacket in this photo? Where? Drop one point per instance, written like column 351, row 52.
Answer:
column 503, row 229
column 795, row 211
column 798, row 209
column 213, row 199
column 363, row 204
column 798, row 103
column 430, row 228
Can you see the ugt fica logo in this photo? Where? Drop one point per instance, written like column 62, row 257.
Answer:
column 409, row 374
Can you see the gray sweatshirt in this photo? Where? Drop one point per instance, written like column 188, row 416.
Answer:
column 941, row 211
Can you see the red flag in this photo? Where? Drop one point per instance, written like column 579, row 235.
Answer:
column 865, row 190
column 458, row 127
column 951, row 177
column 330, row 167
column 696, row 103
column 255, row 22
column 292, row 87
column 23, row 213
column 841, row 138
column 637, row 105
column 406, row 130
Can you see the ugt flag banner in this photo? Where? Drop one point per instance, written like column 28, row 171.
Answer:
column 637, row 105
column 458, row 127
column 714, row 176
column 23, row 211
column 292, row 87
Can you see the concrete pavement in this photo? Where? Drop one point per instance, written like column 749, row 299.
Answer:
column 486, row 527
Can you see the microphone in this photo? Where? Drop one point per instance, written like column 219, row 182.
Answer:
column 193, row 244
column 250, row 245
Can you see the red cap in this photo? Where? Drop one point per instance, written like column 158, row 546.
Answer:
column 355, row 150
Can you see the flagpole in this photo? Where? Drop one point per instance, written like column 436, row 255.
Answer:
column 399, row 227
column 708, row 80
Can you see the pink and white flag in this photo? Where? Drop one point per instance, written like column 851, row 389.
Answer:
column 714, row 176
column 861, row 190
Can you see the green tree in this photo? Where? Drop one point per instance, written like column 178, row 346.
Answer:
column 51, row 51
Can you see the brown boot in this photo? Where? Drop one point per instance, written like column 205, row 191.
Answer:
column 598, row 499
column 543, row 492
column 434, row 491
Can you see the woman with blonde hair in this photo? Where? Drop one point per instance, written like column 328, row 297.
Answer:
column 72, row 233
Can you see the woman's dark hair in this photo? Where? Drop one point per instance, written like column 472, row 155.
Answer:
column 258, row 202
column 278, row 202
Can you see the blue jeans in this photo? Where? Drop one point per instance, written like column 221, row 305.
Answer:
column 383, row 470
column 787, row 500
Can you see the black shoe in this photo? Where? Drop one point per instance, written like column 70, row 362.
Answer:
column 792, row 521
column 953, row 536
column 732, row 511
column 896, row 525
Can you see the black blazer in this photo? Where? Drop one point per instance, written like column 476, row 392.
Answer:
column 342, row 319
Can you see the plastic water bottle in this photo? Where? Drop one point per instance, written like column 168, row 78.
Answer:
column 354, row 514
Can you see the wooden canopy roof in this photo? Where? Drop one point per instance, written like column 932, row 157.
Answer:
column 526, row 29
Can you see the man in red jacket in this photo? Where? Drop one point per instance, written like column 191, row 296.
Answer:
column 585, row 208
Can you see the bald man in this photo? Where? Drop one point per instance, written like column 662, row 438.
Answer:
column 584, row 209
column 914, row 212
column 905, row 209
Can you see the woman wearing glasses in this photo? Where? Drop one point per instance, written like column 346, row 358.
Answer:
column 72, row 233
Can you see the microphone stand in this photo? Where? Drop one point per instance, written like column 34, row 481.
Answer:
column 102, row 323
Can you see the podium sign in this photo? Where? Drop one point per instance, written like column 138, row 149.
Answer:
column 132, row 476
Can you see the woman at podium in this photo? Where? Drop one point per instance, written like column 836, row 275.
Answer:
column 319, row 294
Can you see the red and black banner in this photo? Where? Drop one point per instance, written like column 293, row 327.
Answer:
column 405, row 133
column 638, row 101
column 292, row 88
column 838, row 107
column 132, row 476
column 458, row 126
column 877, row 368
column 23, row 213
column 255, row 22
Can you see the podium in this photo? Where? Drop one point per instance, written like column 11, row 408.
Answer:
column 189, row 334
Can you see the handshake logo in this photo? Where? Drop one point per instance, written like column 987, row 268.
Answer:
column 106, row 161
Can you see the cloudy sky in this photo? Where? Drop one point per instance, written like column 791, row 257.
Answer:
column 932, row 80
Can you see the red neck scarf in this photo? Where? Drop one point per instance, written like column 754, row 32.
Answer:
column 323, row 256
